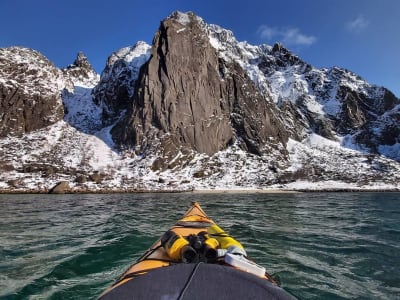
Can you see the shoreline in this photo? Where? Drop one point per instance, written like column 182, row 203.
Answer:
column 243, row 191
column 205, row 191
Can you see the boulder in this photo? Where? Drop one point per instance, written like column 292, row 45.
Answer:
column 60, row 188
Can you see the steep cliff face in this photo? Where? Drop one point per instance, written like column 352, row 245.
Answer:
column 29, row 91
column 192, row 99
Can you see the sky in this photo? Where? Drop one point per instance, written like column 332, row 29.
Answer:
column 359, row 35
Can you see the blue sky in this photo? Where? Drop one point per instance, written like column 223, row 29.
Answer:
column 360, row 35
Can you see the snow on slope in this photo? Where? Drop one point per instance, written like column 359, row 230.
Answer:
column 321, row 158
column 81, row 112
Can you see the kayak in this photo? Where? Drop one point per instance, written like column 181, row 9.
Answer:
column 195, row 259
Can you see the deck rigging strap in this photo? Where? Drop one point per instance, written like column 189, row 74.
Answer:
column 148, row 253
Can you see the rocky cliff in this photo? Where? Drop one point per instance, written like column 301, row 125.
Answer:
column 202, row 90
column 190, row 99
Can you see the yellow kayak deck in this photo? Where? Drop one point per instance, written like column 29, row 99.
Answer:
column 194, row 221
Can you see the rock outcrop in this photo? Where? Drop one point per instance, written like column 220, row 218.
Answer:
column 81, row 71
column 190, row 99
column 29, row 91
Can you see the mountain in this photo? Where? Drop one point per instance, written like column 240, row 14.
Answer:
column 197, row 109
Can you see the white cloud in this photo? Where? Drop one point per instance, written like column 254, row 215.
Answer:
column 288, row 36
column 267, row 33
column 358, row 24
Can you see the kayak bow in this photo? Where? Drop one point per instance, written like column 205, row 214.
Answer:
column 195, row 259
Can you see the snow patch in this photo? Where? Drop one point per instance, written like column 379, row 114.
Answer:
column 134, row 55
column 183, row 18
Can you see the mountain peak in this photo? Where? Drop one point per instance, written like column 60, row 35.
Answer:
column 278, row 47
column 128, row 54
column 194, row 100
column 81, row 71
column 82, row 61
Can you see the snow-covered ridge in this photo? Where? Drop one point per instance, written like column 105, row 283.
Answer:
column 124, row 65
column 285, row 80
column 32, row 68
column 121, row 71
column 134, row 55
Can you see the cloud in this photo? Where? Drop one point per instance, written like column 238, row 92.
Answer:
column 358, row 24
column 288, row 36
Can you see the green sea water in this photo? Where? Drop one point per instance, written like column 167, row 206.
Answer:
column 319, row 245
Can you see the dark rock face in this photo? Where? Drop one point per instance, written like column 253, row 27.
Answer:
column 381, row 130
column 353, row 113
column 375, row 121
column 279, row 58
column 29, row 92
column 191, row 99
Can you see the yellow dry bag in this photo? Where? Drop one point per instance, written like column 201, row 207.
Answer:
column 224, row 239
column 177, row 247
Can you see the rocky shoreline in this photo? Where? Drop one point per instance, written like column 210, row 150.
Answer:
column 201, row 191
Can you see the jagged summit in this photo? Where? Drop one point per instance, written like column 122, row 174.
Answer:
column 81, row 61
column 196, row 109
column 128, row 54
column 81, row 71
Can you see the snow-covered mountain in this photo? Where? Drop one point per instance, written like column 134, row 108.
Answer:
column 197, row 109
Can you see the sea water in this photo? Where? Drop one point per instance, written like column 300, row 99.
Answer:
column 318, row 245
